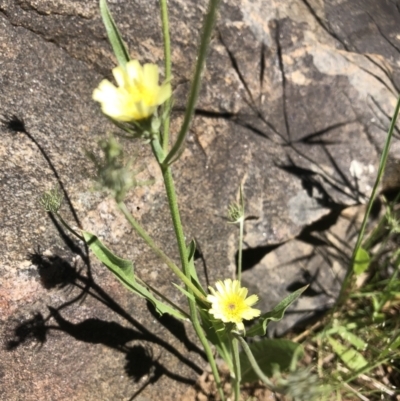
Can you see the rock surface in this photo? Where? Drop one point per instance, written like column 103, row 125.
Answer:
column 296, row 102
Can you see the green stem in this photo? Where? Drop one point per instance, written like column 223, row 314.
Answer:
column 166, row 299
column 254, row 364
column 167, row 61
column 206, row 346
column 69, row 228
column 236, row 367
column 226, row 354
column 240, row 256
column 208, row 25
column 176, row 218
column 176, row 221
column 143, row 234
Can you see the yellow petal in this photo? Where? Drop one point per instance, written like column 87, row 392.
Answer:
column 243, row 292
column 251, row 300
column 120, row 76
column 105, row 90
column 220, row 287
column 134, row 71
column 211, row 298
column 150, row 75
column 164, row 93
column 240, row 326
column 250, row 313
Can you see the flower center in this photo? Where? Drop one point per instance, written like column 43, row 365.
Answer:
column 233, row 308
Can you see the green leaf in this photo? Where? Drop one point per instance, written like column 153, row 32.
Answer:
column 392, row 347
column 116, row 41
column 361, row 261
column 275, row 315
column 213, row 328
column 269, row 354
column 350, row 357
column 216, row 333
column 354, row 340
column 187, row 294
column 123, row 270
column 192, row 268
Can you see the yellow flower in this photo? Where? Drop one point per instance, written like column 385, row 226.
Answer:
column 229, row 303
column 137, row 95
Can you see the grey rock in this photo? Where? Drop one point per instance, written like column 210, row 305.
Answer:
column 316, row 258
column 293, row 94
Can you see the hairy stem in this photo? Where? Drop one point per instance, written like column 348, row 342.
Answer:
column 208, row 25
column 167, row 61
column 176, row 221
column 236, row 367
column 68, row 227
column 254, row 363
column 240, row 256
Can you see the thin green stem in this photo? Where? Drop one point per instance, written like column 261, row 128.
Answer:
column 176, row 221
column 254, row 363
column 162, row 296
column 176, row 218
column 236, row 367
column 386, row 292
column 204, row 342
column 143, row 234
column 381, row 170
column 208, row 25
column 226, row 354
column 68, row 227
column 167, row 61
column 240, row 256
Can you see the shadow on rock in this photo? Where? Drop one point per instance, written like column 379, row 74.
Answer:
column 140, row 362
column 57, row 272
column 176, row 327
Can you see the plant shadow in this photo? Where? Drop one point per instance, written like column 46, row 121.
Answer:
column 73, row 273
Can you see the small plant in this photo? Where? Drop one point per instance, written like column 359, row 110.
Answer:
column 140, row 106
column 357, row 345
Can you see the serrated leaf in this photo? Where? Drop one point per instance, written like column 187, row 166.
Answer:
column 350, row 357
column 275, row 315
column 123, row 270
column 268, row 353
column 361, row 261
column 116, row 41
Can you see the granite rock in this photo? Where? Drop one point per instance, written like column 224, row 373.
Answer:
column 296, row 100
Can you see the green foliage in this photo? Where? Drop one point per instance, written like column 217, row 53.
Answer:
column 381, row 170
column 349, row 355
column 192, row 268
column 351, row 338
column 275, row 314
column 123, row 270
column 113, row 172
column 270, row 356
column 216, row 333
column 115, row 38
column 51, row 201
column 361, row 261
column 236, row 210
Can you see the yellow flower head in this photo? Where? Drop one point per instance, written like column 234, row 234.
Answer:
column 137, row 95
column 229, row 303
